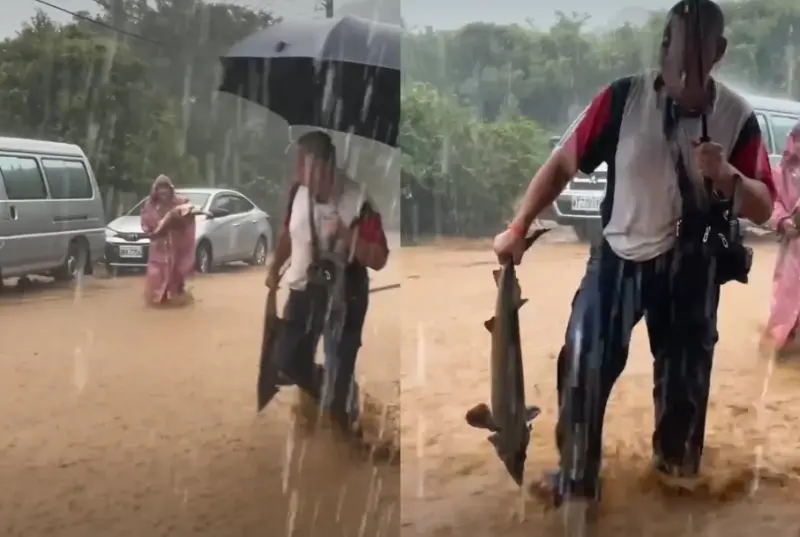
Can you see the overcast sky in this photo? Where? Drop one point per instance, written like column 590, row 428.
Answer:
column 445, row 14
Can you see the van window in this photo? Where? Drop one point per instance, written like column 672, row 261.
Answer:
column 781, row 127
column 67, row 179
column 765, row 133
column 22, row 178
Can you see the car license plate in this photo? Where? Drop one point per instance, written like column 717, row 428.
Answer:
column 130, row 251
column 586, row 203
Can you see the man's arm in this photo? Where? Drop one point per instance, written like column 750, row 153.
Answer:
column 749, row 160
column 283, row 248
column 582, row 151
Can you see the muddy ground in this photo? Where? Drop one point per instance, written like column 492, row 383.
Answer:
column 453, row 484
column 120, row 420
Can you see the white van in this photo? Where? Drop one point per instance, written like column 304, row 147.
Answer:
column 51, row 214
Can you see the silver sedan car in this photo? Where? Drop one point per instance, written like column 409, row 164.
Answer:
column 237, row 231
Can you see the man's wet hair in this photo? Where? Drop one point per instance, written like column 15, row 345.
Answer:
column 319, row 144
column 711, row 17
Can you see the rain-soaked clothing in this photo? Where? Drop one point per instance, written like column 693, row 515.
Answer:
column 308, row 305
column 785, row 312
column 171, row 258
column 632, row 275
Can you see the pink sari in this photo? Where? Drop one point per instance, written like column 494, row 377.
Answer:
column 172, row 235
column 785, row 312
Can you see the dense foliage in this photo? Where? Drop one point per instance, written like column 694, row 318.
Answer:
column 480, row 103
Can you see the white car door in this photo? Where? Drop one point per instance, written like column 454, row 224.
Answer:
column 247, row 228
column 223, row 229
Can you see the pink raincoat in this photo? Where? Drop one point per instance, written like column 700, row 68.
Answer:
column 785, row 312
column 171, row 260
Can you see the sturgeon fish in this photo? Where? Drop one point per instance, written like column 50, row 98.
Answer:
column 509, row 419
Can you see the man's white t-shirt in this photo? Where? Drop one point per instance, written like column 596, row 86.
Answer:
column 347, row 207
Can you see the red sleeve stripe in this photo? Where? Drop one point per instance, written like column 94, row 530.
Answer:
column 749, row 155
column 370, row 229
column 592, row 126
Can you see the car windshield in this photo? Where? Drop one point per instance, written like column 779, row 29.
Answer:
column 197, row 199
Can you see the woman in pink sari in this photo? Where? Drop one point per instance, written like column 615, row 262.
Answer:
column 169, row 221
column 782, row 329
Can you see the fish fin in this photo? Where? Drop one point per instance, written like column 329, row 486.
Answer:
column 493, row 439
column 533, row 237
column 521, row 302
column 489, row 324
column 496, row 276
column 480, row 417
column 531, row 413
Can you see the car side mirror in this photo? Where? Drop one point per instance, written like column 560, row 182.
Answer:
column 554, row 141
column 218, row 213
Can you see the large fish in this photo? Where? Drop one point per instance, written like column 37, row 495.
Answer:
column 509, row 419
column 268, row 376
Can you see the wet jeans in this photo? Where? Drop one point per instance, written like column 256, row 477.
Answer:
column 681, row 317
column 305, row 323
column 340, row 393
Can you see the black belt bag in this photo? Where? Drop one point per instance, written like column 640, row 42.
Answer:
column 707, row 228
column 711, row 230
column 715, row 233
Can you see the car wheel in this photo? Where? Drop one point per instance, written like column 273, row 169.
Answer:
column 203, row 259
column 590, row 231
column 259, row 257
column 75, row 264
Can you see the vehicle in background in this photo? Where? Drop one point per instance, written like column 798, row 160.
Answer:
column 237, row 231
column 578, row 205
column 51, row 213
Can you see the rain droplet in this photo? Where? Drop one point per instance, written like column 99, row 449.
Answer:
column 421, row 456
column 421, row 354
column 80, row 375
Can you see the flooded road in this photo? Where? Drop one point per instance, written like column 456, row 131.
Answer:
column 453, row 483
column 118, row 420
column 125, row 421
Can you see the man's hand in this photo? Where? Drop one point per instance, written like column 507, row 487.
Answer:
column 712, row 163
column 510, row 245
column 335, row 227
column 273, row 278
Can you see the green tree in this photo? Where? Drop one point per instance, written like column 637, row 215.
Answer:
column 481, row 101
column 181, row 42
column 60, row 83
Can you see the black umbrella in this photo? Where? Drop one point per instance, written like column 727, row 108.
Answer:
column 341, row 74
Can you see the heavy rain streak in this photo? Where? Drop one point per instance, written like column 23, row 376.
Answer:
column 249, row 251
column 143, row 210
column 485, row 102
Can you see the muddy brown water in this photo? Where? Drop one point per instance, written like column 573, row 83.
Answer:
column 118, row 420
column 453, row 484
column 123, row 421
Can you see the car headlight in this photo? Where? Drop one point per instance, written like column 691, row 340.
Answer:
column 110, row 233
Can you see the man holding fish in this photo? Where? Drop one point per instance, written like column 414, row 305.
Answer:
column 651, row 131
column 328, row 225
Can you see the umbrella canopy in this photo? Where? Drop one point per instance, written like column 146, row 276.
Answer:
column 341, row 74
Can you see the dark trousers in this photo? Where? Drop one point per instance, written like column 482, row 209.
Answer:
column 304, row 317
column 681, row 316
column 341, row 352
